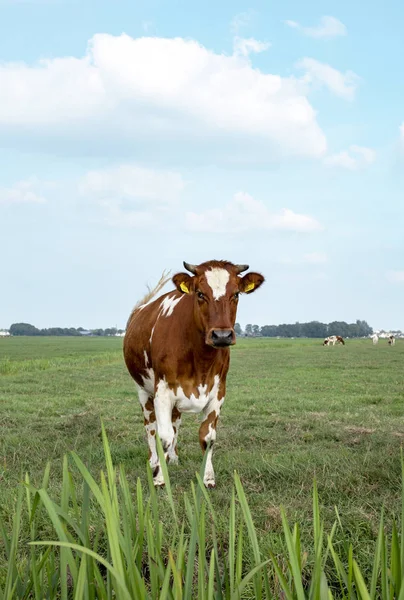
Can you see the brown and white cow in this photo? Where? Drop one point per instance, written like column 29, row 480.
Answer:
column 176, row 348
column 333, row 339
column 392, row 340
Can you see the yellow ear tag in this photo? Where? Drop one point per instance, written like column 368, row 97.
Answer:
column 184, row 288
column 249, row 287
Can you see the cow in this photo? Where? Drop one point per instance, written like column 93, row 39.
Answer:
column 392, row 340
column 333, row 339
column 375, row 339
column 177, row 349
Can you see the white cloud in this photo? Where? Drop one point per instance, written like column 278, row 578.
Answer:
column 240, row 21
column 293, row 24
column 315, row 258
column 395, row 276
column 149, row 88
column 244, row 213
column 147, row 25
column 244, row 46
column 132, row 196
column 2, row 2
column 328, row 28
column 134, row 183
column 115, row 215
column 23, row 192
column 341, row 84
column 355, row 158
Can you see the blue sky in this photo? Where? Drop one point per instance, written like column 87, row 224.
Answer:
column 134, row 136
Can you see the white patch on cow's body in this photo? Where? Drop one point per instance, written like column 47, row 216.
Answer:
column 214, row 394
column 142, row 306
column 195, row 403
column 143, row 395
column 166, row 310
column 168, row 305
column 151, row 334
column 143, row 398
column 146, row 358
column 148, row 381
column 218, row 280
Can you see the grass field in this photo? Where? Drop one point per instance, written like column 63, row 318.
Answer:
column 294, row 410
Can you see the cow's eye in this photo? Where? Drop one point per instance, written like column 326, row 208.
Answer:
column 200, row 295
column 236, row 295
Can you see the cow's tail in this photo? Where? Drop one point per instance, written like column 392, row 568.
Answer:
column 165, row 277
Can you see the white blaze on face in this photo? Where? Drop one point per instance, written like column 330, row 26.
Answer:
column 218, row 280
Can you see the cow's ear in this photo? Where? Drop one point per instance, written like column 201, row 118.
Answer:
column 183, row 282
column 250, row 282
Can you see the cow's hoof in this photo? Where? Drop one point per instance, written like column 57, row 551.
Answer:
column 210, row 484
column 158, row 478
column 159, row 485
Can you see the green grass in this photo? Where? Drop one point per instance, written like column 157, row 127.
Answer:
column 294, row 410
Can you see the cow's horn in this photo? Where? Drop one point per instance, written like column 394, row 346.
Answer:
column 241, row 268
column 190, row 268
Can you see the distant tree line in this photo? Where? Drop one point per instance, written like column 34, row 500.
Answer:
column 28, row 329
column 313, row 329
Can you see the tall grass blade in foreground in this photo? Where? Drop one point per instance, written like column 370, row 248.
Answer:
column 110, row 541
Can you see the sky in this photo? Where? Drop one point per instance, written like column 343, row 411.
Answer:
column 137, row 135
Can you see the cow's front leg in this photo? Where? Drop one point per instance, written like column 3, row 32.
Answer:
column 207, row 436
column 163, row 406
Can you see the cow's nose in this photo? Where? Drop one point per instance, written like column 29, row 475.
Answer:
column 222, row 337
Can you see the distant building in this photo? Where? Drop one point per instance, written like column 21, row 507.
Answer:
column 386, row 334
column 4, row 333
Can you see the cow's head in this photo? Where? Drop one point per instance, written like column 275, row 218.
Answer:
column 215, row 287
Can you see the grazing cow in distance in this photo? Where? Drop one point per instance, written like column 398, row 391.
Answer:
column 176, row 348
column 333, row 339
column 375, row 338
column 392, row 340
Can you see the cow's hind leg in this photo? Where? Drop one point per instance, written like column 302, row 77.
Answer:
column 172, row 454
column 150, row 425
column 207, row 437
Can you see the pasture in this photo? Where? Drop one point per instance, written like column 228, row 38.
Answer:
column 294, row 410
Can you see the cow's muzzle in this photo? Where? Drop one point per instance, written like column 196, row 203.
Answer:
column 221, row 337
